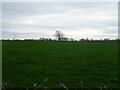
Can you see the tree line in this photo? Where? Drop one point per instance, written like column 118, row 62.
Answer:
column 61, row 37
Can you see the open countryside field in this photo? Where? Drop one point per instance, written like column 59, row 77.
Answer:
column 29, row 62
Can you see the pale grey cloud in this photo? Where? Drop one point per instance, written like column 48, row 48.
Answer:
column 75, row 19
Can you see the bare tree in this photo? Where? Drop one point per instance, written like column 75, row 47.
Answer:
column 59, row 35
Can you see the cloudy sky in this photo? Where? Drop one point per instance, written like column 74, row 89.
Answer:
column 75, row 19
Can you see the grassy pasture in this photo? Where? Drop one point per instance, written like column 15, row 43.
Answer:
column 29, row 62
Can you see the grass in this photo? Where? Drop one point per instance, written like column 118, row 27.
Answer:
column 29, row 62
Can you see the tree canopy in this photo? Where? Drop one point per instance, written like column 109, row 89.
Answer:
column 59, row 35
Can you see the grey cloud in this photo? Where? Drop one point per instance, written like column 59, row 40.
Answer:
column 33, row 8
column 30, row 8
column 14, row 13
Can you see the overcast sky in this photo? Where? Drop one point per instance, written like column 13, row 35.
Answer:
column 75, row 19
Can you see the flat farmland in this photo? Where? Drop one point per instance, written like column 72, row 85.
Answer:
column 27, row 62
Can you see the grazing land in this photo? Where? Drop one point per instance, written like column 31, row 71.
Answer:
column 29, row 62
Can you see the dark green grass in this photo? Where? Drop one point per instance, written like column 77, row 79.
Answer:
column 29, row 62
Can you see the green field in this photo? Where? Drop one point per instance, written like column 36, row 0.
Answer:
column 29, row 62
